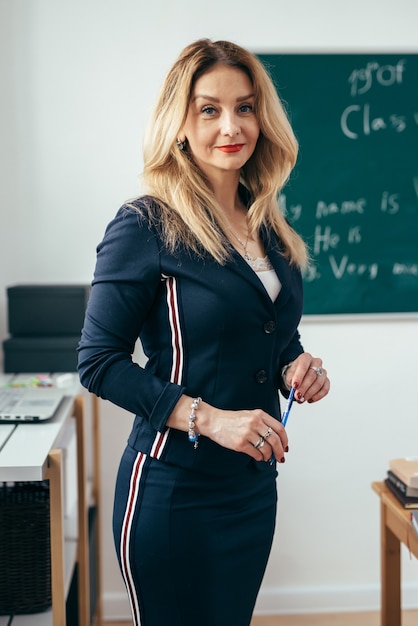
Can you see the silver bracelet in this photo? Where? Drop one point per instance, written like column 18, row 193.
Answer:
column 193, row 434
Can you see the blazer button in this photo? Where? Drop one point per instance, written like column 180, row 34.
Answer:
column 269, row 327
column 261, row 376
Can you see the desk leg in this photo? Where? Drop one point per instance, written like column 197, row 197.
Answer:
column 54, row 475
column 83, row 528
column 390, row 575
column 97, row 499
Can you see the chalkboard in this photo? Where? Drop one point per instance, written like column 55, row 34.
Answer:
column 353, row 195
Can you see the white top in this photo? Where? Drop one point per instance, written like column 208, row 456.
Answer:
column 265, row 272
column 271, row 283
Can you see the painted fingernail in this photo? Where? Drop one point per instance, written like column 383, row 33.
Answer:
column 282, row 460
column 286, row 449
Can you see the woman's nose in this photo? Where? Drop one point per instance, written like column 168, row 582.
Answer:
column 230, row 125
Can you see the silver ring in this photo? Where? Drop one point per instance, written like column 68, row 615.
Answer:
column 260, row 443
column 268, row 433
column 318, row 370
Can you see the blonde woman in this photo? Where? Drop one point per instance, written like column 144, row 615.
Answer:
column 206, row 271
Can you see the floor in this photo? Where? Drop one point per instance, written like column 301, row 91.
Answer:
column 409, row 618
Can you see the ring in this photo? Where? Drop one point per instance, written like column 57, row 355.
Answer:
column 260, row 443
column 268, row 433
column 318, row 370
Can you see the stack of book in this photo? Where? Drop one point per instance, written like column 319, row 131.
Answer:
column 402, row 480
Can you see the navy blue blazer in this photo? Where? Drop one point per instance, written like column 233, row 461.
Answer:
column 207, row 330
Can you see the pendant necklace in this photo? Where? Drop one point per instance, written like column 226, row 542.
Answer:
column 258, row 264
column 247, row 256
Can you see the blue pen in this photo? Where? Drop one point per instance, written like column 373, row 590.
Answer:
column 288, row 406
column 286, row 414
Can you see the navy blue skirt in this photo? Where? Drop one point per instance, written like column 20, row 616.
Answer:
column 192, row 548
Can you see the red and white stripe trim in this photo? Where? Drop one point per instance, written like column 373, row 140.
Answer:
column 176, row 338
column 126, row 535
column 156, row 449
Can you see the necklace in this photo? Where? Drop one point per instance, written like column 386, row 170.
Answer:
column 258, row 264
column 247, row 256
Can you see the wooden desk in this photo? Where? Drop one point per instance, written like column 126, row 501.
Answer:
column 395, row 528
column 33, row 452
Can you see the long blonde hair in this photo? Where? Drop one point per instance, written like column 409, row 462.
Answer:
column 187, row 209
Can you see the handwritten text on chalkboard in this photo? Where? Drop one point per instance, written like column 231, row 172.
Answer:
column 357, row 119
column 354, row 192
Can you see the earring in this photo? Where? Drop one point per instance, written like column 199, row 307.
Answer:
column 181, row 144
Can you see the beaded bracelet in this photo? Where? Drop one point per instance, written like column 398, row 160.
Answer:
column 193, row 435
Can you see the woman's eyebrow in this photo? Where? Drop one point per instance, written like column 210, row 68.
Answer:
column 214, row 99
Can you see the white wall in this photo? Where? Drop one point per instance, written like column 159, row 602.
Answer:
column 78, row 80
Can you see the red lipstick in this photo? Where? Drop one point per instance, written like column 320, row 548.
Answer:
column 235, row 147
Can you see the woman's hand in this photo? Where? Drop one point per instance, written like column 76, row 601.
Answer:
column 253, row 432
column 308, row 377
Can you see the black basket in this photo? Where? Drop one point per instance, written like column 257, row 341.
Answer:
column 25, row 548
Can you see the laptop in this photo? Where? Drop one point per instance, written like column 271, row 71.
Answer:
column 29, row 404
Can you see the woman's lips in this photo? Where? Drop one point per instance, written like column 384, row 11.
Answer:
column 235, row 147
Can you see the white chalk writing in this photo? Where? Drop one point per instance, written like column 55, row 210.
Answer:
column 293, row 211
column 347, row 206
column 344, row 266
column 325, row 239
column 385, row 75
column 389, row 203
column 357, row 120
column 354, row 234
column 404, row 269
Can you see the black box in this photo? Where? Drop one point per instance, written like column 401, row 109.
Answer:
column 31, row 355
column 46, row 310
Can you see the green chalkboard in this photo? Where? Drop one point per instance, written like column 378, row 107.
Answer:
column 353, row 194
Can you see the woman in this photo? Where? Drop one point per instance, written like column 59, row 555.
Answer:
column 207, row 272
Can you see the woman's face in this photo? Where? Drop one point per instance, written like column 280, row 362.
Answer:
column 221, row 127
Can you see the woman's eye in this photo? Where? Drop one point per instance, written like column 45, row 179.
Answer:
column 246, row 108
column 208, row 110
